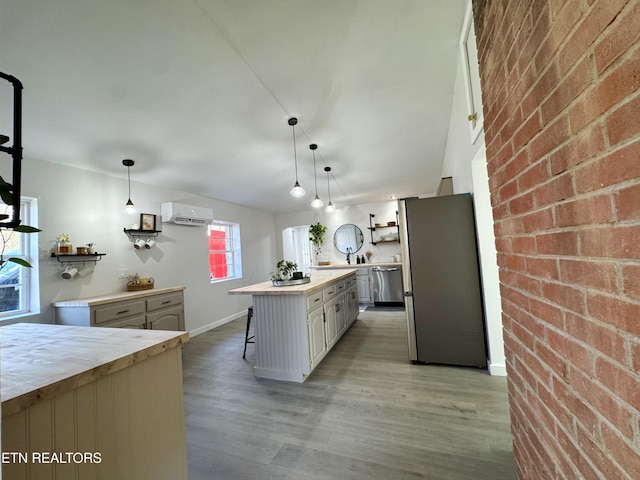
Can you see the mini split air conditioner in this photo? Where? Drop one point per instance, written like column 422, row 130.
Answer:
column 186, row 214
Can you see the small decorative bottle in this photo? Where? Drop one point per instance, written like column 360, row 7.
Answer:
column 357, row 259
column 362, row 259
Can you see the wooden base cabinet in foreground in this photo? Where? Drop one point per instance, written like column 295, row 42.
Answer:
column 98, row 404
column 155, row 309
column 295, row 327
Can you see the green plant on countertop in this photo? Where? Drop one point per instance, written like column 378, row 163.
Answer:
column 316, row 233
column 6, row 193
column 285, row 269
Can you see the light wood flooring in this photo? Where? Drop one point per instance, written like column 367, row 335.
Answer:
column 365, row 413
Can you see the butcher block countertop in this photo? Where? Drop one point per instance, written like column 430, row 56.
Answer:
column 115, row 297
column 319, row 279
column 41, row 360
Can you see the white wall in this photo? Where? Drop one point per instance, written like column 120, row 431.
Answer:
column 87, row 206
column 465, row 162
column 357, row 215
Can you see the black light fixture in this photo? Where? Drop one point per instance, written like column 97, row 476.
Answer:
column 316, row 202
column 330, row 208
column 297, row 191
column 129, row 208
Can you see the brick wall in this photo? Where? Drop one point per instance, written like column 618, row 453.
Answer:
column 560, row 85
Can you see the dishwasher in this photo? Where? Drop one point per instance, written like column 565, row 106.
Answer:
column 387, row 286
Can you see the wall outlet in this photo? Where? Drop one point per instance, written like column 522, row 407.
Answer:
column 123, row 273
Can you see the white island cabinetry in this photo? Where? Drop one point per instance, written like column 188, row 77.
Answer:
column 296, row 326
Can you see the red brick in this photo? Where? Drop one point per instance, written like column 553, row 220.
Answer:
column 558, row 243
column 559, row 188
column 569, row 89
column 628, row 203
column 604, row 339
column 580, row 148
column 591, row 449
column 521, row 204
column 597, row 19
column 543, row 267
column 624, row 123
column 585, row 386
column 601, row 276
column 623, row 451
column 517, row 164
column 631, row 281
column 623, row 81
column 584, row 211
column 523, row 245
column 615, row 311
column 535, row 175
column 618, row 166
column 576, row 354
column 512, row 226
column 522, row 136
column 611, row 242
column 551, row 137
column 635, row 356
column 538, row 221
column 563, row 22
column 543, row 86
column 565, row 296
column 515, row 262
column 508, row 191
column 621, row 382
column 619, row 38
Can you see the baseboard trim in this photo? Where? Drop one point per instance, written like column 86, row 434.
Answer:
column 499, row 370
column 217, row 323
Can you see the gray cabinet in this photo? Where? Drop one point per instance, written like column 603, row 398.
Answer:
column 364, row 285
column 317, row 339
column 162, row 309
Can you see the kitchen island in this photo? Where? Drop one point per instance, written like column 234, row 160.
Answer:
column 85, row 403
column 295, row 326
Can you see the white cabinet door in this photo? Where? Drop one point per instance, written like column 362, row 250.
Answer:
column 166, row 319
column 317, row 342
column 364, row 290
column 331, row 310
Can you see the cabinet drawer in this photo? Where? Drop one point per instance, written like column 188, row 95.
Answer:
column 314, row 300
column 349, row 282
column 137, row 322
column 118, row 310
column 164, row 301
column 329, row 292
column 339, row 288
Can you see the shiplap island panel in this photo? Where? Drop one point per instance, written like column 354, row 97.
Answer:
column 111, row 391
column 295, row 326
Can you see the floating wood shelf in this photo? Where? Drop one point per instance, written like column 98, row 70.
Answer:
column 75, row 258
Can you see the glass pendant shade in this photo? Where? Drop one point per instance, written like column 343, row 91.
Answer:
column 129, row 208
column 297, row 191
column 330, row 208
column 316, row 202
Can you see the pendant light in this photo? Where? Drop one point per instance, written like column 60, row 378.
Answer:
column 316, row 203
column 330, row 208
column 129, row 208
column 297, row 191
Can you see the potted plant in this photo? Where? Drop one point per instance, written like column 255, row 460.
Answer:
column 284, row 271
column 316, row 236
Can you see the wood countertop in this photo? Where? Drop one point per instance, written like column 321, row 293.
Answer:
column 114, row 297
column 335, row 266
column 319, row 280
column 42, row 360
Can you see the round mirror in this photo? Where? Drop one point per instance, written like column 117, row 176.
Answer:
column 348, row 238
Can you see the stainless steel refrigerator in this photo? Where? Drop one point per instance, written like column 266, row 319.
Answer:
column 441, row 280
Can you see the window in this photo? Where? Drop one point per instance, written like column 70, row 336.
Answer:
column 225, row 259
column 16, row 282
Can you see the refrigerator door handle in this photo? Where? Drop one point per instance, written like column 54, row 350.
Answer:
column 408, row 294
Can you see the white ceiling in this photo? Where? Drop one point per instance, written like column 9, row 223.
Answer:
column 198, row 92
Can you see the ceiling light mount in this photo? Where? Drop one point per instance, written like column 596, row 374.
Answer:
column 296, row 191
column 316, row 202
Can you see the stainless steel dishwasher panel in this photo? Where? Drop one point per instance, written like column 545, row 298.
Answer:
column 387, row 285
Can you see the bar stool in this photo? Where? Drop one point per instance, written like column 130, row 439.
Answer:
column 247, row 338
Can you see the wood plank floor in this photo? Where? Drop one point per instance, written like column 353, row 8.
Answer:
column 365, row 413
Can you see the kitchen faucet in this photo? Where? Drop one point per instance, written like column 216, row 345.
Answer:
column 348, row 255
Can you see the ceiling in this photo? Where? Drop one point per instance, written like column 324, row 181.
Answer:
column 198, row 92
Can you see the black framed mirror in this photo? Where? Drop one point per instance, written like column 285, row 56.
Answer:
column 348, row 238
